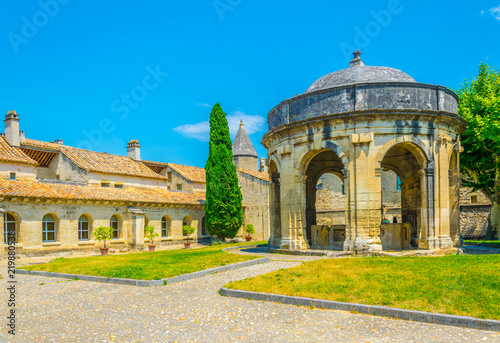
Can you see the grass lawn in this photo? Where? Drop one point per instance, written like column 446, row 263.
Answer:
column 483, row 242
column 147, row 265
column 457, row 284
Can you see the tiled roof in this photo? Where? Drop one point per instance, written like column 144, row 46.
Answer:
column 42, row 190
column 32, row 143
column 107, row 163
column 257, row 174
column 13, row 154
column 193, row 174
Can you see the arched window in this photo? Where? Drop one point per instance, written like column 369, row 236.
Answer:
column 204, row 231
column 48, row 228
column 10, row 232
column 83, row 228
column 113, row 222
column 165, row 226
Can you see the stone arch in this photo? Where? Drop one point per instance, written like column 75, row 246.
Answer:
column 12, row 225
column 408, row 156
column 166, row 226
column 313, row 165
column 48, row 228
column 306, row 158
column 276, row 160
column 90, row 221
column 116, row 225
column 418, row 148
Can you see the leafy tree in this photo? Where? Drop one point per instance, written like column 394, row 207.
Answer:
column 480, row 161
column 223, row 205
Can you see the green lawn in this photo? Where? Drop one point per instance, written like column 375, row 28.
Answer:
column 148, row 265
column 483, row 242
column 457, row 284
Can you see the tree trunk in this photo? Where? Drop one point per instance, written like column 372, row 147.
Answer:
column 495, row 205
column 495, row 221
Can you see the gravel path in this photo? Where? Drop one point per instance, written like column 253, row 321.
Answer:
column 193, row 311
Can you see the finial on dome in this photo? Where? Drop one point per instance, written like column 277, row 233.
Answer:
column 241, row 122
column 357, row 59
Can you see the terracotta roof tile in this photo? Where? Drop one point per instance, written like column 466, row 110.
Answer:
column 72, row 192
column 13, row 154
column 257, row 174
column 32, row 143
column 193, row 174
column 107, row 163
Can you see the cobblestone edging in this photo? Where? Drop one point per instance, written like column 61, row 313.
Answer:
column 149, row 283
column 417, row 316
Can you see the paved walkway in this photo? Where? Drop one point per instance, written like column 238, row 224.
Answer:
column 193, row 311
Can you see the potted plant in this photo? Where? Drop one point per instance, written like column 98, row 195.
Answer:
column 151, row 234
column 187, row 231
column 250, row 230
column 101, row 234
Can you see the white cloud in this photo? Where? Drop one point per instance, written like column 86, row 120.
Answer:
column 201, row 131
column 203, row 104
column 496, row 12
column 482, row 12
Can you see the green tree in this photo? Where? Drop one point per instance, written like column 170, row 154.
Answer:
column 223, row 205
column 480, row 161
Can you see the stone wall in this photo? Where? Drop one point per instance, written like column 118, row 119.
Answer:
column 330, row 202
column 23, row 171
column 256, row 201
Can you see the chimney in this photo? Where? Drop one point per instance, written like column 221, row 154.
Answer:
column 357, row 59
column 22, row 137
column 59, row 141
column 134, row 150
column 12, row 128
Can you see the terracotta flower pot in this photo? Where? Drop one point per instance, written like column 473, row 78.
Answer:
column 248, row 239
column 151, row 247
column 104, row 251
column 187, row 245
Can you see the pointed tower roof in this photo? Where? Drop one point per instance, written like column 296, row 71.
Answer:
column 242, row 146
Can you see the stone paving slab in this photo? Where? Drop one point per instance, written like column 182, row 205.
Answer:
column 59, row 310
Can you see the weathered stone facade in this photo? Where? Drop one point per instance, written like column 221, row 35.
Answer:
column 357, row 128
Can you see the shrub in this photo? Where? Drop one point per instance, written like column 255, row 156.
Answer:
column 151, row 234
column 249, row 229
column 103, row 233
column 188, row 230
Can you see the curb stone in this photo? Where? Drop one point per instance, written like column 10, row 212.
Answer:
column 147, row 283
column 390, row 312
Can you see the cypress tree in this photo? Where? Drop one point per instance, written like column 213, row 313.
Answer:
column 223, row 205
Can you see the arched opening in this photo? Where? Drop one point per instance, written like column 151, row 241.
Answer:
column 275, row 204
column 204, row 231
column 11, row 228
column 330, row 200
column 83, row 228
column 114, row 223
column 186, row 221
column 324, row 162
column 165, row 226
column 391, row 197
column 402, row 164
column 49, row 230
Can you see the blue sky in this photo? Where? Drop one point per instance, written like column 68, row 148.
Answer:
column 100, row 73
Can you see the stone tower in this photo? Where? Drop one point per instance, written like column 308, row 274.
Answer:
column 244, row 154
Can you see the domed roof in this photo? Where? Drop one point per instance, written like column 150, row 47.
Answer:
column 359, row 73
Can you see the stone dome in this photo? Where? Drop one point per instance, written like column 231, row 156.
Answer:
column 359, row 73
